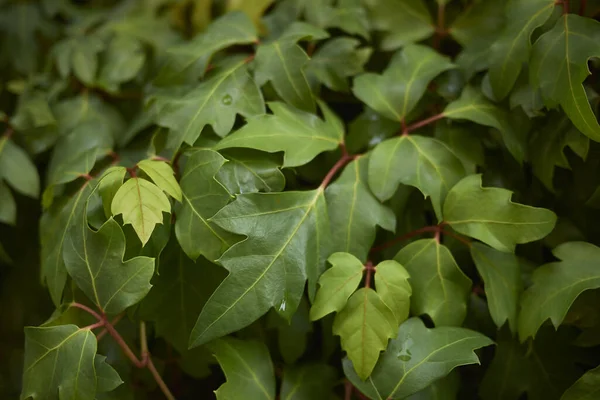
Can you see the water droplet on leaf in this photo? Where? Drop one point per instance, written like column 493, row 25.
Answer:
column 227, row 100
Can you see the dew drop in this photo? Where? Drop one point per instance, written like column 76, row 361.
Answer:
column 404, row 357
column 404, row 354
column 282, row 306
column 227, row 100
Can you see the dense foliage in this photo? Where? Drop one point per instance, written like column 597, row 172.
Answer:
column 299, row 199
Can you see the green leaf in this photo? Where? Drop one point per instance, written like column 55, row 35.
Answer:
column 107, row 379
column 336, row 60
column 292, row 335
column 512, row 48
column 396, row 92
column 8, row 206
column 308, row 382
column 59, row 363
column 294, row 225
column 336, row 284
column 250, row 171
column 348, row 15
column 95, row 262
column 356, row 211
column 567, row 47
column 556, row 286
column 443, row 389
column 110, row 182
column 501, row 275
column 189, row 61
column 365, row 324
column 586, row 388
column 440, row 288
column 78, row 55
column 419, row 161
column 417, row 357
column 17, row 169
column 142, row 204
column 488, row 214
column 404, row 21
column 300, row 135
column 465, row 142
column 391, row 280
column 227, row 90
column 163, row 176
column 247, row 367
column 122, row 61
column 253, row 8
column 203, row 196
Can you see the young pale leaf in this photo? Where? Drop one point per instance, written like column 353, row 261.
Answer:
column 288, row 238
column 488, row 214
column 188, row 61
column 364, row 325
column 163, row 176
column 336, row 284
column 203, row 196
column 417, row 357
column 440, row 288
column 111, row 181
column 59, row 363
column 501, row 273
column 586, row 388
column 249, row 171
column 228, row 90
column 511, row 50
column 308, row 382
column 567, row 47
column 355, row 211
column 556, row 286
column 391, row 281
column 248, row 368
column 17, row 169
column 404, row 22
column 95, row 262
column 396, row 92
column 473, row 106
column 300, row 135
column 419, row 161
column 142, row 204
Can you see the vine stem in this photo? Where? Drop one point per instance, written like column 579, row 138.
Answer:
column 88, row 310
column 345, row 159
column 423, row 123
column 369, row 268
column 582, row 7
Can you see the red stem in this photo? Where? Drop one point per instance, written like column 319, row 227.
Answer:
column 345, row 159
column 159, row 380
column 94, row 326
column 582, row 7
column 459, row 238
column 88, row 310
column 424, row 122
column 347, row 390
column 113, row 323
column 369, row 268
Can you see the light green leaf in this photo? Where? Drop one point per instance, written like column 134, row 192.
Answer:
column 396, row 92
column 248, row 369
column 364, row 325
column 17, row 169
column 419, row 161
column 511, row 50
column 228, row 90
column 203, row 196
column 403, row 21
column 142, row 204
column 300, row 135
column 163, row 176
column 188, row 61
column 110, row 182
column 95, row 262
column 501, row 273
column 59, row 363
column 567, row 47
column 336, row 284
column 440, row 288
column 355, row 211
column 279, row 227
column 391, row 281
column 556, row 286
column 586, row 388
column 417, row 357
column 250, row 171
column 308, row 382
column 488, row 214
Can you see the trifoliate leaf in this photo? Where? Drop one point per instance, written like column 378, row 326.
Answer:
column 501, row 273
column 308, row 382
column 488, row 214
column 396, row 92
column 17, row 169
column 295, row 227
column 404, row 21
column 248, row 369
column 300, row 135
column 511, row 50
column 440, row 288
column 203, row 196
column 417, row 357
column 567, row 47
column 556, row 286
column 248, row 171
column 356, row 211
column 364, row 325
column 163, row 176
column 110, row 182
column 228, row 90
column 142, row 204
column 336, row 60
column 188, row 61
column 419, row 161
column 391, row 281
column 586, row 388
column 336, row 284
